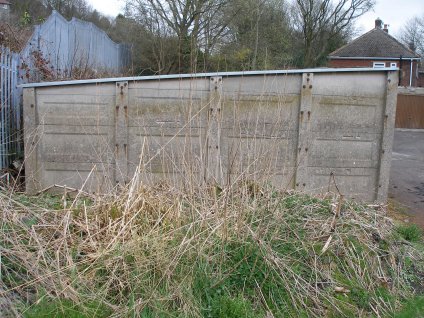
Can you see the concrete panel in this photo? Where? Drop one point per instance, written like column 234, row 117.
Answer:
column 167, row 127
column 259, row 128
column 75, row 135
column 351, row 84
column 262, row 86
column 92, row 178
column 355, row 183
column 347, row 113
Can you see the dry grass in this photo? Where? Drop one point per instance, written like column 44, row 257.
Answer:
column 154, row 251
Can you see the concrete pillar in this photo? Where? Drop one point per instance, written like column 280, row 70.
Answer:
column 213, row 144
column 32, row 138
column 121, row 133
column 389, row 116
column 304, row 140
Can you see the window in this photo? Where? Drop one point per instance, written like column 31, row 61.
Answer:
column 379, row 64
column 393, row 64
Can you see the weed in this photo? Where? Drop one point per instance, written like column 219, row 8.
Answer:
column 227, row 307
column 411, row 233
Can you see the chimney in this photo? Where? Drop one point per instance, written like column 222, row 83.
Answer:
column 378, row 23
column 411, row 46
column 386, row 28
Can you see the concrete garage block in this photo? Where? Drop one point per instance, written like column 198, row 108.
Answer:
column 311, row 130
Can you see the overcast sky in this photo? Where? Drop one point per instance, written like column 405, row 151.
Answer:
column 392, row 12
column 395, row 13
column 108, row 7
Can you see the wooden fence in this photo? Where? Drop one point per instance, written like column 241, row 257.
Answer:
column 410, row 108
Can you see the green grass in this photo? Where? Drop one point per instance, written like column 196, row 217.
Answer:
column 410, row 232
column 413, row 308
column 46, row 201
column 62, row 308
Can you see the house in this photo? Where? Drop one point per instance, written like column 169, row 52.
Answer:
column 4, row 10
column 377, row 48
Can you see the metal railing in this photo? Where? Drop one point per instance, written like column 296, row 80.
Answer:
column 10, row 108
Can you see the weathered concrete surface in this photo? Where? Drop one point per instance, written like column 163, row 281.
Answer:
column 311, row 130
column 407, row 173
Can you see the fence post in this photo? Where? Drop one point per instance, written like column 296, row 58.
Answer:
column 389, row 117
column 121, row 133
column 31, row 137
column 3, row 74
column 304, row 133
column 213, row 143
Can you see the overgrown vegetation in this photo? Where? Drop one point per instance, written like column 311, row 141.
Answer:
column 243, row 251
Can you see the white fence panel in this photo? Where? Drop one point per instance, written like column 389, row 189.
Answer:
column 76, row 43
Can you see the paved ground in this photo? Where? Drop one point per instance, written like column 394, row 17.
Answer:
column 407, row 173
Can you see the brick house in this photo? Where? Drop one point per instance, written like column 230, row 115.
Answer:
column 421, row 78
column 377, row 48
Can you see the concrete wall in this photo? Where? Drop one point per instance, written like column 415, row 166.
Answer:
column 310, row 130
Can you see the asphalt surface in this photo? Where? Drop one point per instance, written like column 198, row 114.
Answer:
column 407, row 173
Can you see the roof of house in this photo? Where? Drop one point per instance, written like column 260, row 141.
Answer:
column 375, row 43
column 4, row 2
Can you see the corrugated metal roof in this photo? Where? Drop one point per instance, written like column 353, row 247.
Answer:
column 375, row 43
column 207, row 75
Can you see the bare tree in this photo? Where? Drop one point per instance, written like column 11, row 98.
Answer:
column 70, row 8
column 412, row 34
column 321, row 21
column 196, row 24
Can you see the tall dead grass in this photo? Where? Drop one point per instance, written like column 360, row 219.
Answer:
column 155, row 250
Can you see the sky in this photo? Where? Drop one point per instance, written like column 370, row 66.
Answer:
column 393, row 12
column 108, row 7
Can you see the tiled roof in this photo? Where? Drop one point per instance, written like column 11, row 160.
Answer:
column 4, row 2
column 375, row 43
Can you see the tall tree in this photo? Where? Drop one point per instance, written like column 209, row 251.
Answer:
column 412, row 34
column 197, row 25
column 259, row 37
column 322, row 21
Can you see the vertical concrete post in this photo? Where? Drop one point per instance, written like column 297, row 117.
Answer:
column 389, row 116
column 304, row 133
column 121, row 133
column 32, row 138
column 213, row 142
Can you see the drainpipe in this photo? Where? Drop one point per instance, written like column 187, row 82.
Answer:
column 410, row 74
